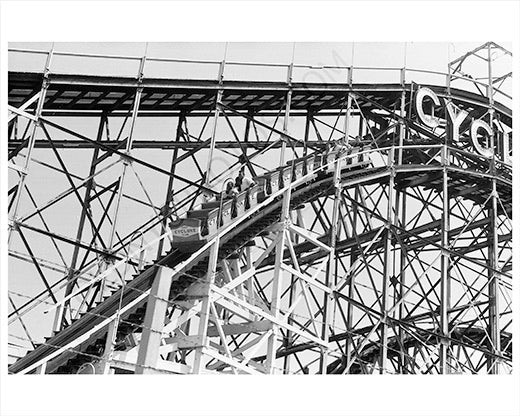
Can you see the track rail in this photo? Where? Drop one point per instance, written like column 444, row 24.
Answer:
column 179, row 95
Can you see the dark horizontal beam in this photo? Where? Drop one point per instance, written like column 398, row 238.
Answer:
column 176, row 113
column 311, row 92
column 158, row 144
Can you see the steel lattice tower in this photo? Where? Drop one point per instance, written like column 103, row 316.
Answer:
column 377, row 238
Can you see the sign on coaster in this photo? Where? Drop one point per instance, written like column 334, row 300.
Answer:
column 456, row 117
column 185, row 229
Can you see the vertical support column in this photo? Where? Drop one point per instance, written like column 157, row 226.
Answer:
column 328, row 299
column 445, row 266
column 402, row 128
column 135, row 110
column 400, row 211
column 287, row 114
column 215, row 121
column 361, row 130
column 388, row 267
column 249, row 284
column 297, row 219
column 169, row 190
column 129, row 143
column 288, row 339
column 250, row 114
column 276, row 285
column 493, row 290
column 205, row 309
column 30, row 146
column 122, row 176
column 347, row 118
column 402, row 286
column 388, row 255
column 156, row 308
column 448, row 80
column 306, row 132
column 104, row 365
column 349, row 348
column 84, row 212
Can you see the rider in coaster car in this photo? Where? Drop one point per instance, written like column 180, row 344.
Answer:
column 231, row 190
column 340, row 146
column 242, row 182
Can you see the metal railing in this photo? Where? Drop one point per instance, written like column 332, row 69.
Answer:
column 286, row 71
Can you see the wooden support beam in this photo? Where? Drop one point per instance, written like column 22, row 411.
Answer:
column 154, row 321
column 205, row 307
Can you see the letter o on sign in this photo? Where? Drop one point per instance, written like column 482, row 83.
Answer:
column 475, row 126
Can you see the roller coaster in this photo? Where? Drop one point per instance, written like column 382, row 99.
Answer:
column 376, row 236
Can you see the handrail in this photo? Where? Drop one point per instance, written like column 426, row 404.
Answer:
column 77, row 54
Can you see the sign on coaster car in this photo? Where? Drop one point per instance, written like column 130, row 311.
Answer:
column 186, row 229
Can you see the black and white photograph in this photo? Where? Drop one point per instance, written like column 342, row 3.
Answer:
column 333, row 212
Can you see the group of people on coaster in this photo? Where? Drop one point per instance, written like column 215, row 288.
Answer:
column 241, row 183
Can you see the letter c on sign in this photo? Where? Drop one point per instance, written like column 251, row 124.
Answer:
column 422, row 93
column 475, row 126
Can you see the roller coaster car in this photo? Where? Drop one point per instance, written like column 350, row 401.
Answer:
column 322, row 161
column 281, row 177
column 187, row 233
column 301, row 166
column 285, row 175
column 191, row 233
column 252, row 196
column 264, row 186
